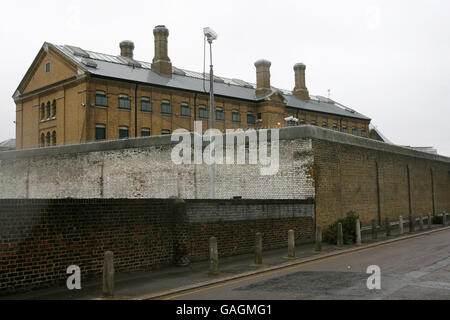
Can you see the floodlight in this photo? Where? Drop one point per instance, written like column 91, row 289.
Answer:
column 210, row 34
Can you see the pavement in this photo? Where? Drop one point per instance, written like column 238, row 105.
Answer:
column 172, row 280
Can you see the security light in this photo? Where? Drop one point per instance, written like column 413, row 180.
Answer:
column 210, row 34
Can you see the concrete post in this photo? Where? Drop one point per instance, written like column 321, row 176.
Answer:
column 421, row 223
column 358, row 232
column 388, row 227
column 429, row 221
column 412, row 223
column 400, row 224
column 318, row 238
column 340, row 235
column 213, row 256
column 291, row 244
column 108, row 274
column 374, row 230
column 258, row 248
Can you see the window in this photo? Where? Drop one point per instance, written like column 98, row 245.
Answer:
column 344, row 129
column 335, row 127
column 47, row 67
column 43, row 111
column 146, row 105
column 325, row 125
column 100, row 99
column 124, row 102
column 145, row 132
column 54, row 138
column 100, row 132
column 165, row 131
column 220, row 115
column 185, row 110
column 47, row 138
column 259, row 116
column 47, row 110
column 354, row 131
column 250, row 118
column 363, row 133
column 166, row 107
column 42, row 140
column 54, row 109
column 202, row 112
column 302, row 122
column 123, row 132
column 313, row 122
column 235, row 116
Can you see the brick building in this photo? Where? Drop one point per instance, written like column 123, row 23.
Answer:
column 70, row 96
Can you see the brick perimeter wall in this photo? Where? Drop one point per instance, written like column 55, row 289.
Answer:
column 40, row 238
column 346, row 180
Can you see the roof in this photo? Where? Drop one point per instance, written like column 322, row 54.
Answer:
column 382, row 136
column 118, row 67
column 9, row 144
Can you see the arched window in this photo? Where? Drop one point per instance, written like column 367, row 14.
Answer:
column 54, row 108
column 48, row 110
column 43, row 111
column 42, row 140
column 54, row 138
column 48, row 139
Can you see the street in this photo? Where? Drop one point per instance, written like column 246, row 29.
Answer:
column 416, row 268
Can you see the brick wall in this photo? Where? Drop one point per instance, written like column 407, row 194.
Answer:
column 39, row 239
column 346, row 180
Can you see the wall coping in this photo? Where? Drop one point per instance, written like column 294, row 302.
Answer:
column 287, row 133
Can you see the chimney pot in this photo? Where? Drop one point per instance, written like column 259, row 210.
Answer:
column 300, row 90
column 126, row 49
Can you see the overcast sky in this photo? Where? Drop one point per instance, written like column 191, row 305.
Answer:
column 389, row 60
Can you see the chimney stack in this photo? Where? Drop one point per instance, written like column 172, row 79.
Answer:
column 262, row 77
column 126, row 49
column 300, row 90
column 161, row 62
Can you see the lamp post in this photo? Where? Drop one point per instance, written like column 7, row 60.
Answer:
column 210, row 36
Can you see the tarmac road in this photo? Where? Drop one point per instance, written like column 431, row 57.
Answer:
column 416, row 268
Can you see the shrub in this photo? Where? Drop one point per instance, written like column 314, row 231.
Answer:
column 348, row 229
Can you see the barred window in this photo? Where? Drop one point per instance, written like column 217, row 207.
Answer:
column 100, row 132
column 354, row 131
column 250, row 118
column 235, row 116
column 42, row 140
column 166, row 107
column 54, row 108
column 47, row 110
column 124, row 102
column 302, row 122
column 54, row 138
column 220, row 114
column 146, row 105
column 165, row 131
column 363, row 133
column 203, row 112
column 314, row 122
column 48, row 67
column 101, row 99
column 185, row 110
column 325, row 125
column 335, row 127
column 344, row 129
column 47, row 139
column 43, row 111
column 123, row 132
column 145, row 132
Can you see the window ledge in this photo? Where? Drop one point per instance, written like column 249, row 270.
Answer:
column 102, row 107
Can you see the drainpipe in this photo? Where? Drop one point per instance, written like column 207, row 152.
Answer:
column 135, row 110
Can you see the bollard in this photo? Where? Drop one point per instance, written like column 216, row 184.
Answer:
column 258, row 248
column 374, row 230
column 340, row 236
column 412, row 226
column 420, row 223
column 108, row 274
column 429, row 221
column 400, row 224
column 318, row 238
column 388, row 227
column 358, row 232
column 291, row 244
column 213, row 256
